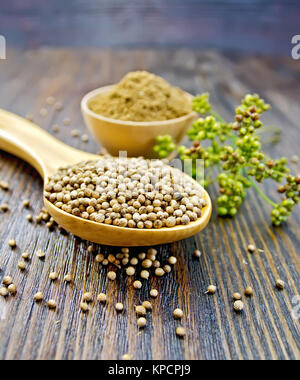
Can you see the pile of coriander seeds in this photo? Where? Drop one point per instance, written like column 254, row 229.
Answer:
column 127, row 192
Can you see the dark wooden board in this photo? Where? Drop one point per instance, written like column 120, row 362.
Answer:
column 265, row 330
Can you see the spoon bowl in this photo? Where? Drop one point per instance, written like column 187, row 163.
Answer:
column 46, row 154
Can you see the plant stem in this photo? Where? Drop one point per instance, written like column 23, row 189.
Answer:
column 260, row 192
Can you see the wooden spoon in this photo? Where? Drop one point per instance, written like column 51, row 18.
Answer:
column 46, row 154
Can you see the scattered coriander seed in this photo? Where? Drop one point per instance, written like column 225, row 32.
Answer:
column 142, row 322
column 87, row 297
column 153, row 293
column 172, row 260
column 125, row 261
column 237, row 296
column 178, row 313
column 294, row 159
column 101, row 297
column 105, row 262
column 145, row 274
column 90, row 249
column 156, row 264
column 152, row 251
column 137, row 284
column 29, row 117
column 159, row 272
column 74, row 133
column 180, row 331
column 111, row 258
column 140, row 310
column 50, row 100
column 67, row 121
column 12, row 243
column 85, row 138
column 7, row 280
column 52, row 304
column 119, row 306
column 12, row 289
column 130, row 271
column 4, row 185
column 40, row 254
column 167, row 268
column 142, row 256
column 3, row 292
column 29, row 217
column 125, row 250
column 21, row 265
column 43, row 112
column 99, row 258
column 280, row 284
column 197, row 253
column 38, row 219
column 38, row 297
column 134, row 261
column 55, row 128
column 111, row 275
column 4, row 207
column 249, row 291
column 126, row 357
column 68, row 278
column 238, row 306
column 25, row 256
column 26, row 203
column 53, row 276
column 147, row 305
column 211, row 289
column 251, row 248
column 57, row 106
column 147, row 263
column 84, row 307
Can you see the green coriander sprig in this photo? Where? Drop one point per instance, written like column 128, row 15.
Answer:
column 235, row 149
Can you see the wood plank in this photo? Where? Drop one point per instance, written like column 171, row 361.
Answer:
column 266, row 329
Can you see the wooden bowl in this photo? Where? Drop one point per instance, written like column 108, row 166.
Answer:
column 135, row 138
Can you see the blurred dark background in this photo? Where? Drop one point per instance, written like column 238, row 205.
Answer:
column 245, row 26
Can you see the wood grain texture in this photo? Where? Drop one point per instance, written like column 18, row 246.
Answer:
column 265, row 330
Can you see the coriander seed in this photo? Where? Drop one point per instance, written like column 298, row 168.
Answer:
column 38, row 297
column 147, row 263
column 3, row 292
column 249, row 291
column 99, row 258
column 25, row 256
column 137, row 284
column 53, row 276
column 180, row 331
column 7, row 280
column 26, row 203
column 12, row 289
column 119, row 306
column 52, row 304
column 145, row 274
column 87, row 297
column 237, row 296
column 251, row 248
column 40, row 254
column 84, row 307
column 211, row 289
column 238, row 306
column 68, row 278
column 4, row 207
column 101, row 297
column 147, row 305
column 153, row 293
column 197, row 253
column 141, row 322
column 90, row 249
column 111, row 275
column 159, row 272
column 12, row 243
column 126, row 357
column 29, row 217
column 130, row 271
column 172, row 260
column 178, row 313
column 140, row 310
column 280, row 284
column 21, row 265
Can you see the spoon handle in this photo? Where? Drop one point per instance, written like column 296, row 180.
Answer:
column 27, row 141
